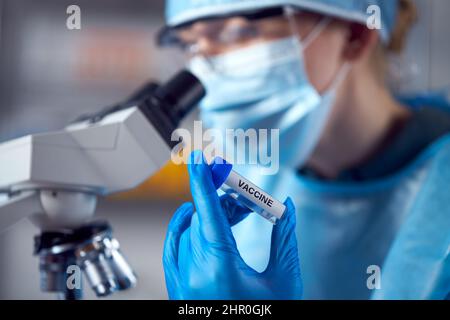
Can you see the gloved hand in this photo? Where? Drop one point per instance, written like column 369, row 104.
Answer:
column 201, row 259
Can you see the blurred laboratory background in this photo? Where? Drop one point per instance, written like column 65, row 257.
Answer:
column 50, row 75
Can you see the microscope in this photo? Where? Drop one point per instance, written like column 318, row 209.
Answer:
column 55, row 179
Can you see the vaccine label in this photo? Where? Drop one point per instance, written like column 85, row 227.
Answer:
column 255, row 194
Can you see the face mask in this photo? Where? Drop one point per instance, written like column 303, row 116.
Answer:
column 265, row 86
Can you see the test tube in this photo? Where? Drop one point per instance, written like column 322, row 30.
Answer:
column 245, row 192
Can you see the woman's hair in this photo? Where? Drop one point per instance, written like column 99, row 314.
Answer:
column 406, row 18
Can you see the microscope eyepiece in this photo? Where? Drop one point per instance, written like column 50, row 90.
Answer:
column 170, row 103
column 165, row 106
column 182, row 94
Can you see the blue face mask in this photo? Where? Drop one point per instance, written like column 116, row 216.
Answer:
column 265, row 86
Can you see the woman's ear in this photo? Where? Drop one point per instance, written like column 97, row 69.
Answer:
column 360, row 42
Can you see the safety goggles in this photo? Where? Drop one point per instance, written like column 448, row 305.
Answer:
column 217, row 36
column 183, row 36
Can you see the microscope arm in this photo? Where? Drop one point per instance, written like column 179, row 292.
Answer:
column 48, row 209
column 18, row 207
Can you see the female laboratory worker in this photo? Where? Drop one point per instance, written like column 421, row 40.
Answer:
column 368, row 173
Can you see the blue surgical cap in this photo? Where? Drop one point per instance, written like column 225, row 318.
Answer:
column 179, row 12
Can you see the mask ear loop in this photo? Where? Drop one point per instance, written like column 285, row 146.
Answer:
column 313, row 35
column 310, row 38
column 293, row 116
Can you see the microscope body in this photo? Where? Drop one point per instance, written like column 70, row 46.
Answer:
column 68, row 169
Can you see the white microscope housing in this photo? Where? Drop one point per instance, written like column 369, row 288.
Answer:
column 55, row 179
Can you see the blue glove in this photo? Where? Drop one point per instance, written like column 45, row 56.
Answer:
column 201, row 259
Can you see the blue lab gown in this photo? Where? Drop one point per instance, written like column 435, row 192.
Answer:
column 399, row 221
